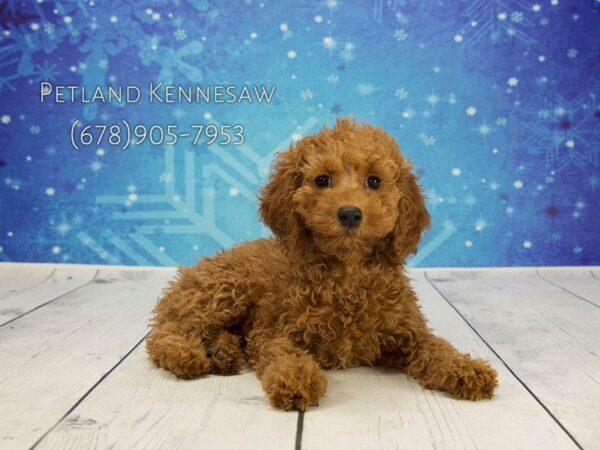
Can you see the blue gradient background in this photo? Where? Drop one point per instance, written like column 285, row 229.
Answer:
column 496, row 102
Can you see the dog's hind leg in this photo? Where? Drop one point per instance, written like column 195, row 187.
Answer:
column 226, row 354
column 190, row 329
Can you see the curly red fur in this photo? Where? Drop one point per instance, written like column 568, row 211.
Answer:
column 317, row 295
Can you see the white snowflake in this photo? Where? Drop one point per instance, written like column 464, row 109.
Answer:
column 536, row 8
column 572, row 53
column 165, row 177
column 480, row 225
column 291, row 54
column 559, row 111
column 329, row 42
column 234, row 192
column 306, row 94
column 34, row 129
column 468, row 243
column 471, row 111
column 516, row 17
column 400, row 35
column 365, row 88
column 96, row 166
column 48, row 28
column 501, row 121
column 502, row 16
column 543, row 113
column 408, row 113
column 577, row 250
column 518, row 184
column 427, row 140
column 63, row 228
column 433, row 99
column 180, row 34
column 5, row 119
column 470, row 200
column 56, row 249
column 401, row 93
column 458, row 38
column 570, row 143
column 513, row 81
column 333, row 78
column 456, row 172
column 527, row 244
column 50, row 192
column 318, row 19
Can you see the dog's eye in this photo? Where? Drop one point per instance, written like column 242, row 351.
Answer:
column 323, row 181
column 373, row 182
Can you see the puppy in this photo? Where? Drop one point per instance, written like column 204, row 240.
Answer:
column 328, row 291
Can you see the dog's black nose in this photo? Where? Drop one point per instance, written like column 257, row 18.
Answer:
column 349, row 216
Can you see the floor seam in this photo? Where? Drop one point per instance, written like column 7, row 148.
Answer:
column 565, row 289
column 527, row 388
column 39, row 283
column 299, row 430
column 89, row 391
column 51, row 300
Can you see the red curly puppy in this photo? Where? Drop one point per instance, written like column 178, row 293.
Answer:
column 329, row 291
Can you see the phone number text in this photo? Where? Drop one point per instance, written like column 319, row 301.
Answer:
column 123, row 134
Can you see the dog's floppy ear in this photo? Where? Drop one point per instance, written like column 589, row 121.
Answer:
column 276, row 206
column 413, row 217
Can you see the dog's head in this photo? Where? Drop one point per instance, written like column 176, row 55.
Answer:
column 343, row 191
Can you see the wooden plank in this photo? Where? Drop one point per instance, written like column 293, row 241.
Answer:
column 579, row 282
column 61, row 282
column 547, row 336
column 53, row 356
column 14, row 279
column 376, row 408
column 141, row 406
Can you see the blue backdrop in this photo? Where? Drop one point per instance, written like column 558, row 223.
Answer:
column 495, row 101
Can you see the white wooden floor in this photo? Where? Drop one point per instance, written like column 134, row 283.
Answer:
column 74, row 374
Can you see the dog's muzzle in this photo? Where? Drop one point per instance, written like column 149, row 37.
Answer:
column 350, row 216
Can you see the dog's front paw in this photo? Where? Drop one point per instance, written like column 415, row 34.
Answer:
column 473, row 379
column 294, row 382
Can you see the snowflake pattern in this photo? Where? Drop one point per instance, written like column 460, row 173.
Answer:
column 500, row 119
